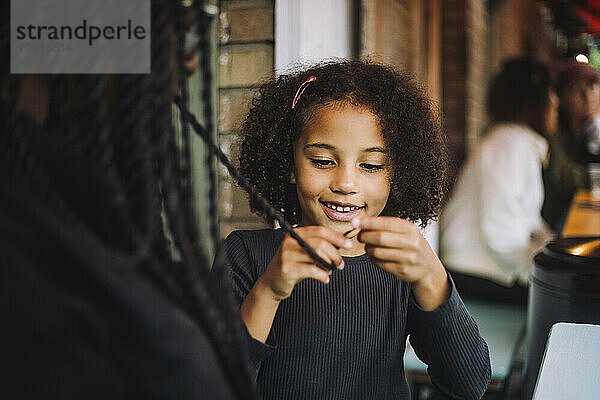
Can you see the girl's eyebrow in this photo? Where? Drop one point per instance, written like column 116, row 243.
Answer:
column 326, row 146
column 375, row 150
column 319, row 146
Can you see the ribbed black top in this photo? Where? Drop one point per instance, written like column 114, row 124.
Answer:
column 347, row 339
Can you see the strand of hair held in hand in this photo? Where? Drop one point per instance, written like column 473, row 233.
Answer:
column 264, row 204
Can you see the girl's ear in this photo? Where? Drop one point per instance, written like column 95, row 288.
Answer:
column 292, row 178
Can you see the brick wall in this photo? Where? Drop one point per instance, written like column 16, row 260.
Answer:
column 454, row 75
column 245, row 58
column 477, row 71
column 477, row 37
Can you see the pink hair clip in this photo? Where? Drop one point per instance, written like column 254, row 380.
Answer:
column 301, row 90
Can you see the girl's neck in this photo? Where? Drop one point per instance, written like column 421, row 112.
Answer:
column 358, row 248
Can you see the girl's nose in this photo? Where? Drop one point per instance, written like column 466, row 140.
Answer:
column 344, row 181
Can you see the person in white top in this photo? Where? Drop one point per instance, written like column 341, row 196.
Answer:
column 492, row 224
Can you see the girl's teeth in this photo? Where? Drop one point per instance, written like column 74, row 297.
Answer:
column 341, row 209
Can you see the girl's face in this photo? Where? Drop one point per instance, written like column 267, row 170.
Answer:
column 341, row 168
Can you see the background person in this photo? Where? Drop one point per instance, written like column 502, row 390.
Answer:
column 577, row 141
column 492, row 224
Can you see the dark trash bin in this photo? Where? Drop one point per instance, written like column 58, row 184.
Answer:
column 565, row 287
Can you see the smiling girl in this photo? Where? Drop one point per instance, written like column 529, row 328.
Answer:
column 352, row 153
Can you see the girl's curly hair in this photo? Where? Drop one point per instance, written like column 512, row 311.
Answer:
column 410, row 127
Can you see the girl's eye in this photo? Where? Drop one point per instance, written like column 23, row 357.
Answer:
column 321, row 163
column 371, row 167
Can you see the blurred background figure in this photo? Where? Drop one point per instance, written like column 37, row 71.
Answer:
column 577, row 141
column 492, row 224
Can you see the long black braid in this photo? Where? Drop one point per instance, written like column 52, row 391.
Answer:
column 262, row 204
column 131, row 142
column 207, row 101
column 207, row 134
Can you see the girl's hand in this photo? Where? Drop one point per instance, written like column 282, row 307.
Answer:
column 397, row 246
column 292, row 264
column 289, row 265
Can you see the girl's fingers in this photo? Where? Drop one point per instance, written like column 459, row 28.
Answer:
column 335, row 238
column 390, row 232
column 393, row 224
column 385, row 254
column 402, row 272
column 386, row 265
column 325, row 250
column 314, row 272
column 324, row 241
column 385, row 239
column 302, row 266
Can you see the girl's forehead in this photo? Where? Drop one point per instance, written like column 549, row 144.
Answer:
column 335, row 113
column 343, row 124
column 341, row 106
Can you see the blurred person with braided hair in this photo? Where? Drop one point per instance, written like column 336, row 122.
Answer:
column 352, row 154
column 92, row 303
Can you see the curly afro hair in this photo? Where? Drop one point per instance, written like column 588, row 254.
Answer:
column 410, row 128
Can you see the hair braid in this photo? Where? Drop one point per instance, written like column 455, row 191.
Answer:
column 235, row 329
column 130, row 141
column 202, row 260
column 205, row 55
column 220, row 329
column 261, row 202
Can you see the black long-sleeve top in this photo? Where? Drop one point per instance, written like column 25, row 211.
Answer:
column 346, row 340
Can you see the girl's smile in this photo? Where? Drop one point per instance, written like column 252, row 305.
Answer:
column 341, row 212
column 340, row 167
